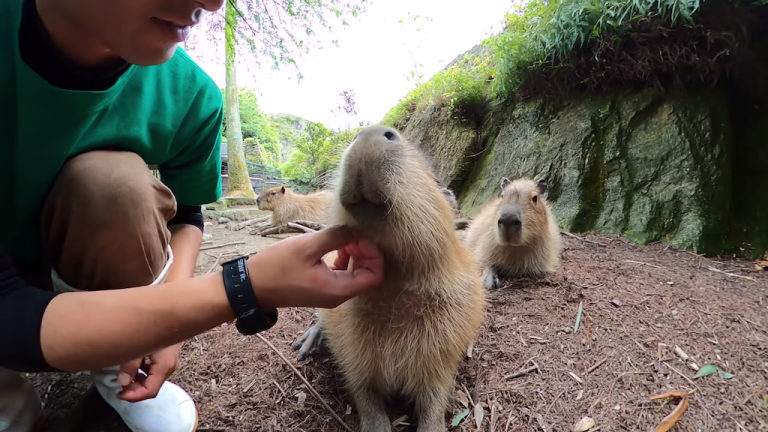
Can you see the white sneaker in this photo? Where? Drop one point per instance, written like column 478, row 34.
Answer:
column 20, row 406
column 172, row 410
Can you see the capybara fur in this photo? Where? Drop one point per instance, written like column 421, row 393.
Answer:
column 515, row 234
column 288, row 206
column 407, row 338
column 451, row 198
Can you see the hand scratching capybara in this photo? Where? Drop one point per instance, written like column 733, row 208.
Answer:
column 407, row 337
column 516, row 233
column 288, row 206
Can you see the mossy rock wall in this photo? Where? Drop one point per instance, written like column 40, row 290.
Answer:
column 643, row 166
column 446, row 143
column 646, row 166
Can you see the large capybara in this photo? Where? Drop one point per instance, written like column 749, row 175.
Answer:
column 408, row 337
column 515, row 234
column 288, row 206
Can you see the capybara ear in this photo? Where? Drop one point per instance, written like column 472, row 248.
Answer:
column 504, row 182
column 542, row 185
column 282, row 189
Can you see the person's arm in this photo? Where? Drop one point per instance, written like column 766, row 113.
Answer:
column 45, row 331
column 78, row 331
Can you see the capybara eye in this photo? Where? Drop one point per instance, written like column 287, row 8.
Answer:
column 535, row 198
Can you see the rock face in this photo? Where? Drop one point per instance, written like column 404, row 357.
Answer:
column 646, row 166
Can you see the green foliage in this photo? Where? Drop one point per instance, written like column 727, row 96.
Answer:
column 316, row 152
column 260, row 137
column 461, row 87
column 547, row 34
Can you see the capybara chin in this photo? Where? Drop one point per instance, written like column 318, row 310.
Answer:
column 288, row 206
column 407, row 337
column 515, row 234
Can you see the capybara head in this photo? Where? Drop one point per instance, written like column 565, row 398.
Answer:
column 270, row 198
column 386, row 188
column 522, row 211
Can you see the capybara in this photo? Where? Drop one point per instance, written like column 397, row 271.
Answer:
column 407, row 337
column 288, row 206
column 516, row 233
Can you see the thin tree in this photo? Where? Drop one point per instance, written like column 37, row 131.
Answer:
column 278, row 30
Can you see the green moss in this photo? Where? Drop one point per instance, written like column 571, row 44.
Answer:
column 462, row 88
column 592, row 182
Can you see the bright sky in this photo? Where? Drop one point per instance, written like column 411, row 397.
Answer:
column 373, row 58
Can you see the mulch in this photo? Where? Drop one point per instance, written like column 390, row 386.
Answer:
column 638, row 304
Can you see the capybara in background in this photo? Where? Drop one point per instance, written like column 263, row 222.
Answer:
column 408, row 337
column 515, row 234
column 288, row 206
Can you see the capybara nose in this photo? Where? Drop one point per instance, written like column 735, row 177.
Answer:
column 510, row 221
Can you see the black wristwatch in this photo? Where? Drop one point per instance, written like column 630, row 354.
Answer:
column 251, row 319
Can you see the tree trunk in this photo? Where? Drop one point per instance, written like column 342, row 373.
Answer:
column 239, row 184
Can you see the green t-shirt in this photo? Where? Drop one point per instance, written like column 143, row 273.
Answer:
column 169, row 114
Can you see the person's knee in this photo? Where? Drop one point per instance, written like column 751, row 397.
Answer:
column 107, row 208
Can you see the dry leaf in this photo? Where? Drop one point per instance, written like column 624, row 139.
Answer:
column 583, row 425
column 674, row 393
column 462, row 398
column 479, row 415
column 669, row 421
column 762, row 264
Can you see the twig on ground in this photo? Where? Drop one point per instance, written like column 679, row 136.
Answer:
column 518, row 374
column 566, row 233
column 301, row 227
column 643, row 263
column 306, row 382
column 710, row 268
column 315, row 226
column 576, row 377
column 595, row 366
column 690, row 381
column 248, row 223
column 215, row 263
column 222, row 245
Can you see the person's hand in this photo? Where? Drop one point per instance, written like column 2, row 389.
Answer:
column 136, row 386
column 292, row 273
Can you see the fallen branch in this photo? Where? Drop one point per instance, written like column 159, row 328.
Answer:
column 518, row 374
column 261, row 228
column 710, row 268
column 460, row 224
column 248, row 223
column 222, row 245
column 301, row 228
column 566, row 233
column 298, row 226
column 309, row 386
column 314, row 226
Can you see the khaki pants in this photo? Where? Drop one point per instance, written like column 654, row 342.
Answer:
column 103, row 226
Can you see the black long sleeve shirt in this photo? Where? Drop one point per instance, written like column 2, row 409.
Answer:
column 21, row 305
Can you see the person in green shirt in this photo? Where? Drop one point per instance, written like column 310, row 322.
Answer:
column 97, row 255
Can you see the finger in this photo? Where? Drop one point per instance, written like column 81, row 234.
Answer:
column 128, row 371
column 154, row 381
column 135, row 391
column 134, row 394
column 342, row 260
column 329, row 239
